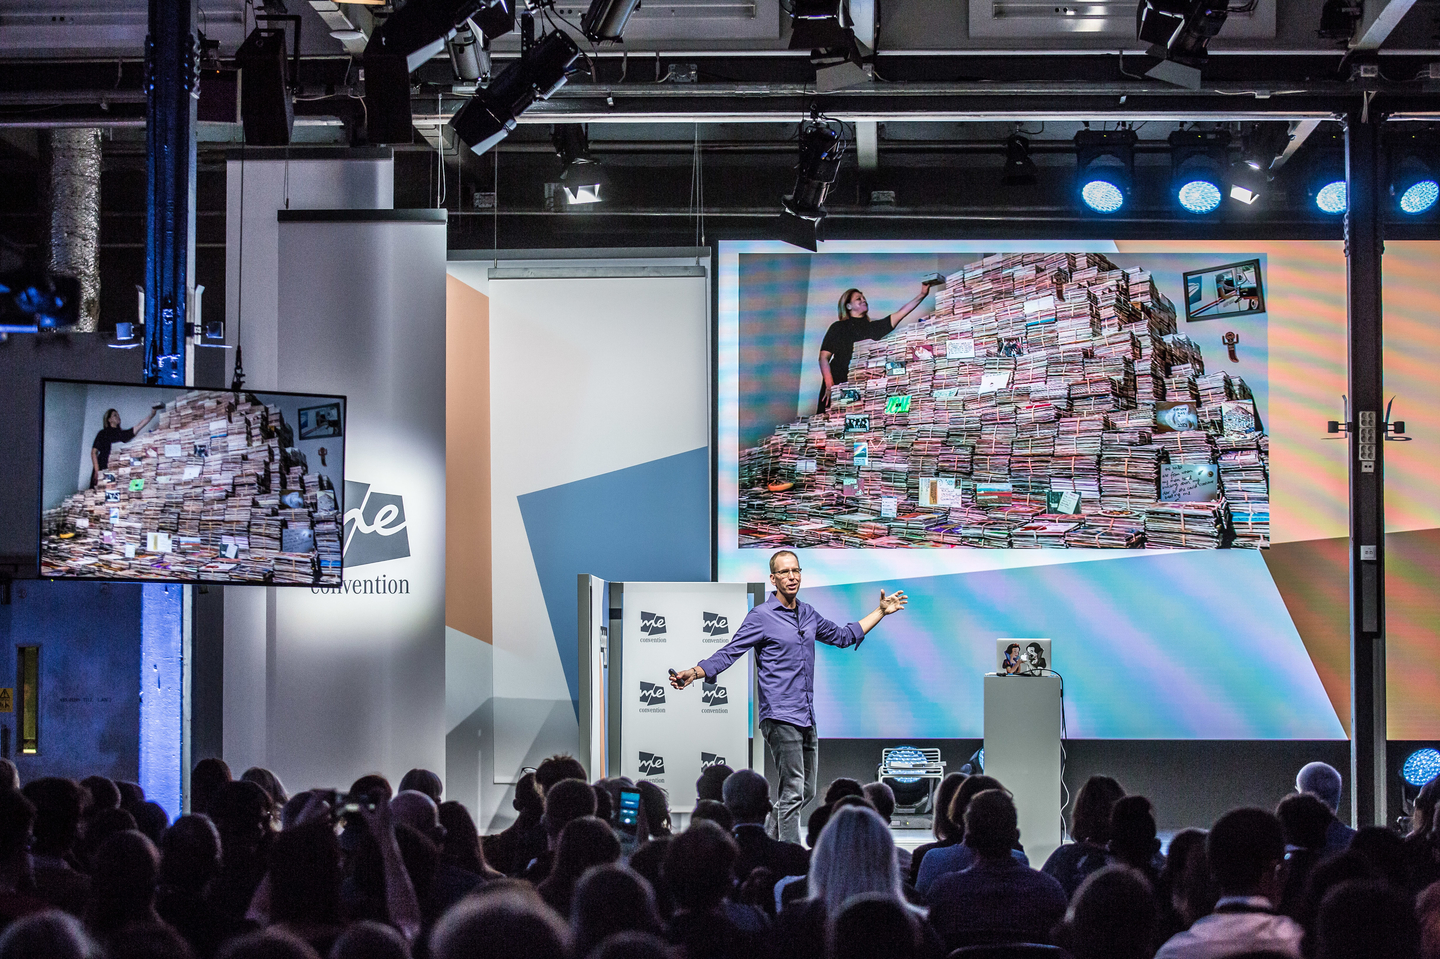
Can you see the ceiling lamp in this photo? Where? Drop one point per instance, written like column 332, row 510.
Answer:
column 1105, row 162
column 1199, row 162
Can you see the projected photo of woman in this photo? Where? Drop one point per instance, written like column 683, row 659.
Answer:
column 853, row 326
column 109, row 435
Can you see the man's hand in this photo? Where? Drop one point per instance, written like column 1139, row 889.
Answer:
column 893, row 603
column 686, row 676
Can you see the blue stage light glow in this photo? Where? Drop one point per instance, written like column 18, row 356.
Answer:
column 1333, row 197
column 1419, row 197
column 906, row 754
column 1199, row 196
column 1102, row 196
column 1422, row 766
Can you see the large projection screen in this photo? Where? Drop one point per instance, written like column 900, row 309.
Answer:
column 1110, row 444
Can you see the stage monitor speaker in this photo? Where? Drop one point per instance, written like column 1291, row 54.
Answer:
column 266, row 110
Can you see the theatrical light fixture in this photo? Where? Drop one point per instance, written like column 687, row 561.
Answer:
column 1414, row 182
column 492, row 113
column 267, row 113
column 406, row 39
column 1181, row 30
column 975, row 765
column 820, row 25
column 584, row 178
column 1019, row 168
column 1105, row 162
column 605, row 19
column 1199, row 161
column 822, row 145
column 1325, row 174
column 1420, row 767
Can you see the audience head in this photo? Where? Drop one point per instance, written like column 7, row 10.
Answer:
column 604, row 804
column 17, row 824
column 1322, row 781
column 855, row 855
column 423, row 781
column 272, row 943
column 150, row 819
column 1090, row 819
column 9, row 775
column 131, row 794
column 1187, row 876
column 150, row 940
column 1113, row 916
column 873, row 926
column 557, row 768
column 1246, row 849
column 566, row 801
column 649, row 862
column 374, row 786
column 632, row 945
column 506, row 919
column 747, row 795
column 654, row 808
column 1327, row 875
column 1304, row 819
column 528, row 797
column 1366, row 920
column 417, row 810
column 843, row 786
column 708, row 810
column 305, row 874
column 819, row 818
column 584, row 842
column 104, row 794
column 610, row 899
column 699, row 867
column 711, row 783
column 122, row 885
column 972, row 786
column 189, row 853
column 241, row 812
column 269, row 782
column 462, row 839
column 882, row 798
column 209, row 774
column 370, row 940
column 1132, row 831
column 1385, row 852
column 48, row 935
column 992, row 826
column 1427, row 910
column 58, row 805
column 945, row 828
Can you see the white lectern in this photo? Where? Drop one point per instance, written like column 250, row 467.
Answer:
column 1022, row 750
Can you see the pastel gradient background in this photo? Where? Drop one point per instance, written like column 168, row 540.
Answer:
column 1232, row 644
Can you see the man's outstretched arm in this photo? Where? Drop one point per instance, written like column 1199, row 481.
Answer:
column 746, row 637
column 892, row 603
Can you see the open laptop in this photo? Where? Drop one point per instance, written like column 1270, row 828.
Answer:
column 1022, row 657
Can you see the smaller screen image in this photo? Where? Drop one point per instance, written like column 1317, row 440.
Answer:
column 184, row 485
column 318, row 422
column 1235, row 289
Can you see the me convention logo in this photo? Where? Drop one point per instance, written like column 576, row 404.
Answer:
column 651, row 695
column 374, row 527
column 710, row 759
column 714, row 626
column 652, row 625
column 651, row 764
column 713, row 694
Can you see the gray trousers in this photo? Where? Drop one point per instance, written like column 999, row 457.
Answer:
column 796, row 750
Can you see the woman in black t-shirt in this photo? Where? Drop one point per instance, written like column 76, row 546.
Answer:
column 854, row 325
column 108, row 436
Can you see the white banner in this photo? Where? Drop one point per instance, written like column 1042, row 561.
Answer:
column 670, row 736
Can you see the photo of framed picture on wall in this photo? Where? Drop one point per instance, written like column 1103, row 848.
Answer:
column 1234, row 289
column 319, row 422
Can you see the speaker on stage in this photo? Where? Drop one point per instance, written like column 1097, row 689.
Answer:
column 266, row 110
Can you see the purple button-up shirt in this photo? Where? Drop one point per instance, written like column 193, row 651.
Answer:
column 784, row 644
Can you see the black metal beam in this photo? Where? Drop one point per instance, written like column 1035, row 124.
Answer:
column 1363, row 250
column 171, row 63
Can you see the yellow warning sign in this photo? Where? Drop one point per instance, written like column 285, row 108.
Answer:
column 7, row 700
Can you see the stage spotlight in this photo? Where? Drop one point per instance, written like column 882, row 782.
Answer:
column 584, row 178
column 975, row 765
column 1325, row 174
column 821, row 25
column 1019, row 168
column 1332, row 197
column 266, row 111
column 605, row 20
column 1247, row 183
column 1420, row 767
column 822, row 145
column 1180, row 30
column 491, row 114
column 1105, row 161
column 1199, row 160
column 1414, row 183
column 912, row 774
column 406, row 39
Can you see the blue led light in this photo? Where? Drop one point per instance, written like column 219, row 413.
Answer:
column 1102, row 196
column 905, row 754
column 1422, row 766
column 1199, row 196
column 1332, row 197
column 1419, row 197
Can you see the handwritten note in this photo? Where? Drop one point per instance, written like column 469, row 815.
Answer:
column 889, row 505
column 959, row 349
column 1188, row 482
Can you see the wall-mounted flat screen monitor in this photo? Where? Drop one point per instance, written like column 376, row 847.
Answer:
column 173, row 484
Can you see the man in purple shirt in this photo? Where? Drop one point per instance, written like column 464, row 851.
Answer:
column 783, row 632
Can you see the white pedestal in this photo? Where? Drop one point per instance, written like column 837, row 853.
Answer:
column 1022, row 750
